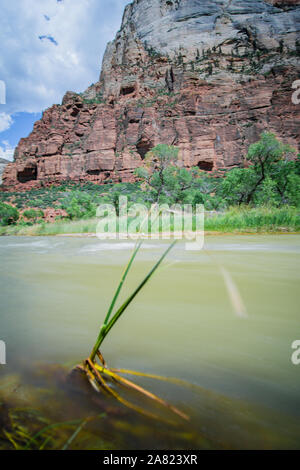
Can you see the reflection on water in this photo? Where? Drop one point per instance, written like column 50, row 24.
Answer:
column 54, row 293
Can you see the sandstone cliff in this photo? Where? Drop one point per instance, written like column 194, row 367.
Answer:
column 205, row 75
column 3, row 163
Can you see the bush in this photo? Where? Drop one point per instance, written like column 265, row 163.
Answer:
column 33, row 214
column 8, row 214
column 79, row 205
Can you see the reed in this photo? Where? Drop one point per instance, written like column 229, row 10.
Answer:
column 101, row 377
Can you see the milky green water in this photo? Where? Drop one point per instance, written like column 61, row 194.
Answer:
column 55, row 291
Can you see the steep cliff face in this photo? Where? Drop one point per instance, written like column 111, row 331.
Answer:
column 205, row 75
column 3, row 164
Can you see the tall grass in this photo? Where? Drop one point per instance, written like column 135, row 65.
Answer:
column 56, row 228
column 255, row 219
column 235, row 219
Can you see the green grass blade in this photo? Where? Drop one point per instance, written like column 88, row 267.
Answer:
column 51, row 426
column 123, row 307
column 126, row 271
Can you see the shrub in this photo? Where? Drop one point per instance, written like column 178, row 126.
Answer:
column 8, row 214
column 79, row 205
column 33, row 214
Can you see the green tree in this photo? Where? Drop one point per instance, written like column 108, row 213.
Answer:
column 267, row 193
column 262, row 155
column 156, row 172
column 282, row 173
column 178, row 183
column 8, row 214
column 238, row 185
column 293, row 190
column 79, row 205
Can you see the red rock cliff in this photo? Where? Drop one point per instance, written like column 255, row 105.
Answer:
column 206, row 76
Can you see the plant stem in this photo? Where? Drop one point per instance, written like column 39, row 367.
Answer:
column 106, row 328
column 122, row 282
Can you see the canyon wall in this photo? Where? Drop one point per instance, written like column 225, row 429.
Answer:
column 3, row 163
column 205, row 75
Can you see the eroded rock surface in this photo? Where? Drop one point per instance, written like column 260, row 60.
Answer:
column 3, row 163
column 206, row 76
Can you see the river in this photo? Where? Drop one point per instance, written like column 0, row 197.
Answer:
column 55, row 292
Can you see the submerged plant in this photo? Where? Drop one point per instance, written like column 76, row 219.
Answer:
column 104, row 379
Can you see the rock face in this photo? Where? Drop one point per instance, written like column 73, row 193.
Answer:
column 3, row 163
column 205, row 75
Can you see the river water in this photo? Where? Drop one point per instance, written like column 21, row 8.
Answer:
column 55, row 292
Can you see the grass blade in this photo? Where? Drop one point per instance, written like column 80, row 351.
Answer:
column 112, row 392
column 51, row 426
column 75, row 434
column 138, row 388
column 123, row 307
column 125, row 273
column 119, row 288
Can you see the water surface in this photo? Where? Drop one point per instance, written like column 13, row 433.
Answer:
column 55, row 292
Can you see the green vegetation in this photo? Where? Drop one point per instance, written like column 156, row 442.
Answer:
column 271, row 179
column 265, row 194
column 259, row 219
column 33, row 214
column 79, row 205
column 8, row 214
column 264, row 157
column 236, row 219
column 104, row 379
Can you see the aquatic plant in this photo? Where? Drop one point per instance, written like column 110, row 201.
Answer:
column 101, row 377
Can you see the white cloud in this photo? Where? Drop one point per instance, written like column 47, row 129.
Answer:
column 49, row 47
column 5, row 121
column 7, row 152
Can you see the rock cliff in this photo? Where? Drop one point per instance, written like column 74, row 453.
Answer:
column 3, row 163
column 205, row 75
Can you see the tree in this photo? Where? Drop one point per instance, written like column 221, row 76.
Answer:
column 156, row 172
column 182, row 185
column 238, row 185
column 268, row 178
column 262, row 155
column 281, row 173
column 267, row 193
column 293, row 190
column 79, row 205
column 8, row 214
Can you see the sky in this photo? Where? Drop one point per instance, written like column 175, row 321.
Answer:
column 47, row 48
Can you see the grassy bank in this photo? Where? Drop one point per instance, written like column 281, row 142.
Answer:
column 237, row 219
column 255, row 220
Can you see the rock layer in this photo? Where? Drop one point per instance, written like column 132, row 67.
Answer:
column 206, row 76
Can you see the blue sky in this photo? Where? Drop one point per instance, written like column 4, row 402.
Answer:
column 47, row 48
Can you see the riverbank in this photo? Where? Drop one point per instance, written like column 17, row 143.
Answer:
column 235, row 220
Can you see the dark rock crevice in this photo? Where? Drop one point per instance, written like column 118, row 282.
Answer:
column 27, row 174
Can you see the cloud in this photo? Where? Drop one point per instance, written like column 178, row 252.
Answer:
column 6, row 150
column 49, row 38
column 52, row 46
column 5, row 121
